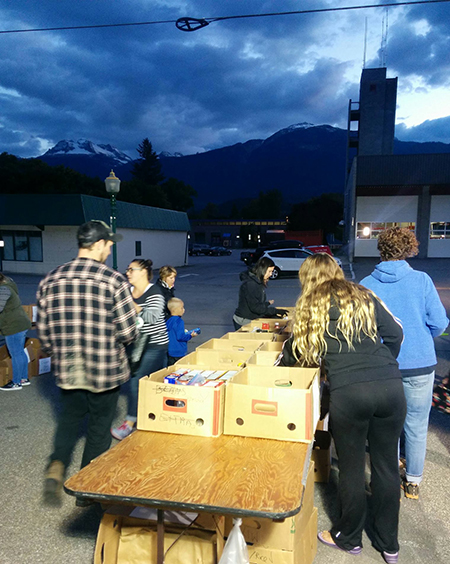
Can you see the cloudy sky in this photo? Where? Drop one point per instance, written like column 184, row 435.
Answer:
column 231, row 81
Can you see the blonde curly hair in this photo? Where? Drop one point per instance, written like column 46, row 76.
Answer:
column 323, row 285
column 397, row 243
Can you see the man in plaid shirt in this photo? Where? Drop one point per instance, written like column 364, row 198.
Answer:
column 86, row 316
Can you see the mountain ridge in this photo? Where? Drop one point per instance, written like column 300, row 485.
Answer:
column 302, row 161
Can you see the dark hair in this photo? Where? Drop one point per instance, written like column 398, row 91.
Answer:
column 260, row 268
column 147, row 265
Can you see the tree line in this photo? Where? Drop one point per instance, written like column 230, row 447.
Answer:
column 149, row 187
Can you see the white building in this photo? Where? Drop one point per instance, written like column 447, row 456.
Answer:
column 39, row 231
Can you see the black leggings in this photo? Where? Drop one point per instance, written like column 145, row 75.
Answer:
column 372, row 411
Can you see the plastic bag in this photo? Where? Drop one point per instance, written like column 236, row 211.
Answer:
column 235, row 549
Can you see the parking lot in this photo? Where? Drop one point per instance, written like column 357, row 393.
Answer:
column 33, row 534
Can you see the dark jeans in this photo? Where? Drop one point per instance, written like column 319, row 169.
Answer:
column 76, row 404
column 152, row 360
column 372, row 411
column 173, row 359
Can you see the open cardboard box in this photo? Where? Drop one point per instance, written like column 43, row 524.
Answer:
column 127, row 540
column 231, row 345
column 273, row 402
column 215, row 359
column 263, row 358
column 304, row 550
column 252, row 335
column 173, row 408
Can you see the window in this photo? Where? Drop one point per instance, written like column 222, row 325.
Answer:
column 289, row 253
column 371, row 229
column 138, row 249
column 22, row 246
column 439, row 230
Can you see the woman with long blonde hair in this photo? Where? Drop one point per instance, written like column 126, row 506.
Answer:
column 347, row 328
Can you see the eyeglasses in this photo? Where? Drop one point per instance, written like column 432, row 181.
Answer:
column 130, row 269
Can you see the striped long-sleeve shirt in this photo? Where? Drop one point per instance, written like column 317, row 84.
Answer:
column 85, row 318
column 153, row 306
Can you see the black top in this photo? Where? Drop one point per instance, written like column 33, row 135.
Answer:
column 367, row 361
column 168, row 293
column 252, row 298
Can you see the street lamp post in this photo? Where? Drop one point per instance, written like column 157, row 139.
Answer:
column 112, row 184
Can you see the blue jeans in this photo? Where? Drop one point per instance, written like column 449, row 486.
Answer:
column 152, row 360
column 418, row 393
column 16, row 344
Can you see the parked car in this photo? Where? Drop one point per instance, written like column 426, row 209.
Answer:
column 219, row 251
column 199, row 249
column 250, row 257
column 288, row 261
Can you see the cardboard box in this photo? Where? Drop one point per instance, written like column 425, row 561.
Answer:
column 41, row 363
column 215, row 359
column 280, row 536
column 231, row 345
column 304, row 552
column 186, row 410
column 273, row 403
column 272, row 324
column 31, row 311
column 252, row 336
column 321, row 455
column 322, row 425
column 5, row 366
column 264, row 358
column 125, row 540
column 272, row 346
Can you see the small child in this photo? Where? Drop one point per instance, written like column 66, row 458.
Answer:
column 178, row 337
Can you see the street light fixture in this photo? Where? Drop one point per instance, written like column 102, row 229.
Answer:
column 112, row 184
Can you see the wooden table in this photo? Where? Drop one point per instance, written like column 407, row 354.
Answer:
column 226, row 475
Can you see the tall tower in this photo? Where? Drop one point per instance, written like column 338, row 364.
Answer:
column 375, row 117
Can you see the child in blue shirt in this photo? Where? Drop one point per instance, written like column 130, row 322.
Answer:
column 178, row 337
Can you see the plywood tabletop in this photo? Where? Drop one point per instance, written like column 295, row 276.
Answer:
column 226, row 474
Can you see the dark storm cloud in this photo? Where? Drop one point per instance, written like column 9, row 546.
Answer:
column 229, row 82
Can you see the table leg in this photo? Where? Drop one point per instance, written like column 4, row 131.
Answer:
column 220, row 531
column 160, row 537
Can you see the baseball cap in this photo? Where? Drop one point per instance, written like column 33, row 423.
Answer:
column 96, row 230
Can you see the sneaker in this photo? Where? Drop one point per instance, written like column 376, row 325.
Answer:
column 25, row 382
column 54, row 478
column 122, row 432
column 11, row 387
column 411, row 490
column 390, row 557
column 332, row 544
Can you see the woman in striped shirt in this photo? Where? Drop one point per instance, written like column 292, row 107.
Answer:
column 150, row 305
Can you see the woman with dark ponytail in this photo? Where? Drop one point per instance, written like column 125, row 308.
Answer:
column 150, row 305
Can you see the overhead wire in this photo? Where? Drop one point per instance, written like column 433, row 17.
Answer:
column 202, row 22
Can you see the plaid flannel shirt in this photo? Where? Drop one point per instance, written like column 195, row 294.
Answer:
column 85, row 318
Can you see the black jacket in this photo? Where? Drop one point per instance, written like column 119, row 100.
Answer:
column 168, row 294
column 252, row 298
column 367, row 361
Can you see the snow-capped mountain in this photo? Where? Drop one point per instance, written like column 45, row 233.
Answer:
column 86, row 147
column 88, row 158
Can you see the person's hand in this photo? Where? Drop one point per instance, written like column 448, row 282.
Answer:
column 193, row 334
column 271, row 302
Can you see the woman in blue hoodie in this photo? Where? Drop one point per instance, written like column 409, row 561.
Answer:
column 412, row 297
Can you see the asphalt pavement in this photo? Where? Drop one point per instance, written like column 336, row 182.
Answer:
column 31, row 533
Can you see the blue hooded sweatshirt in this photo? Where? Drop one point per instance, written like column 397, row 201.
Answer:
column 413, row 299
